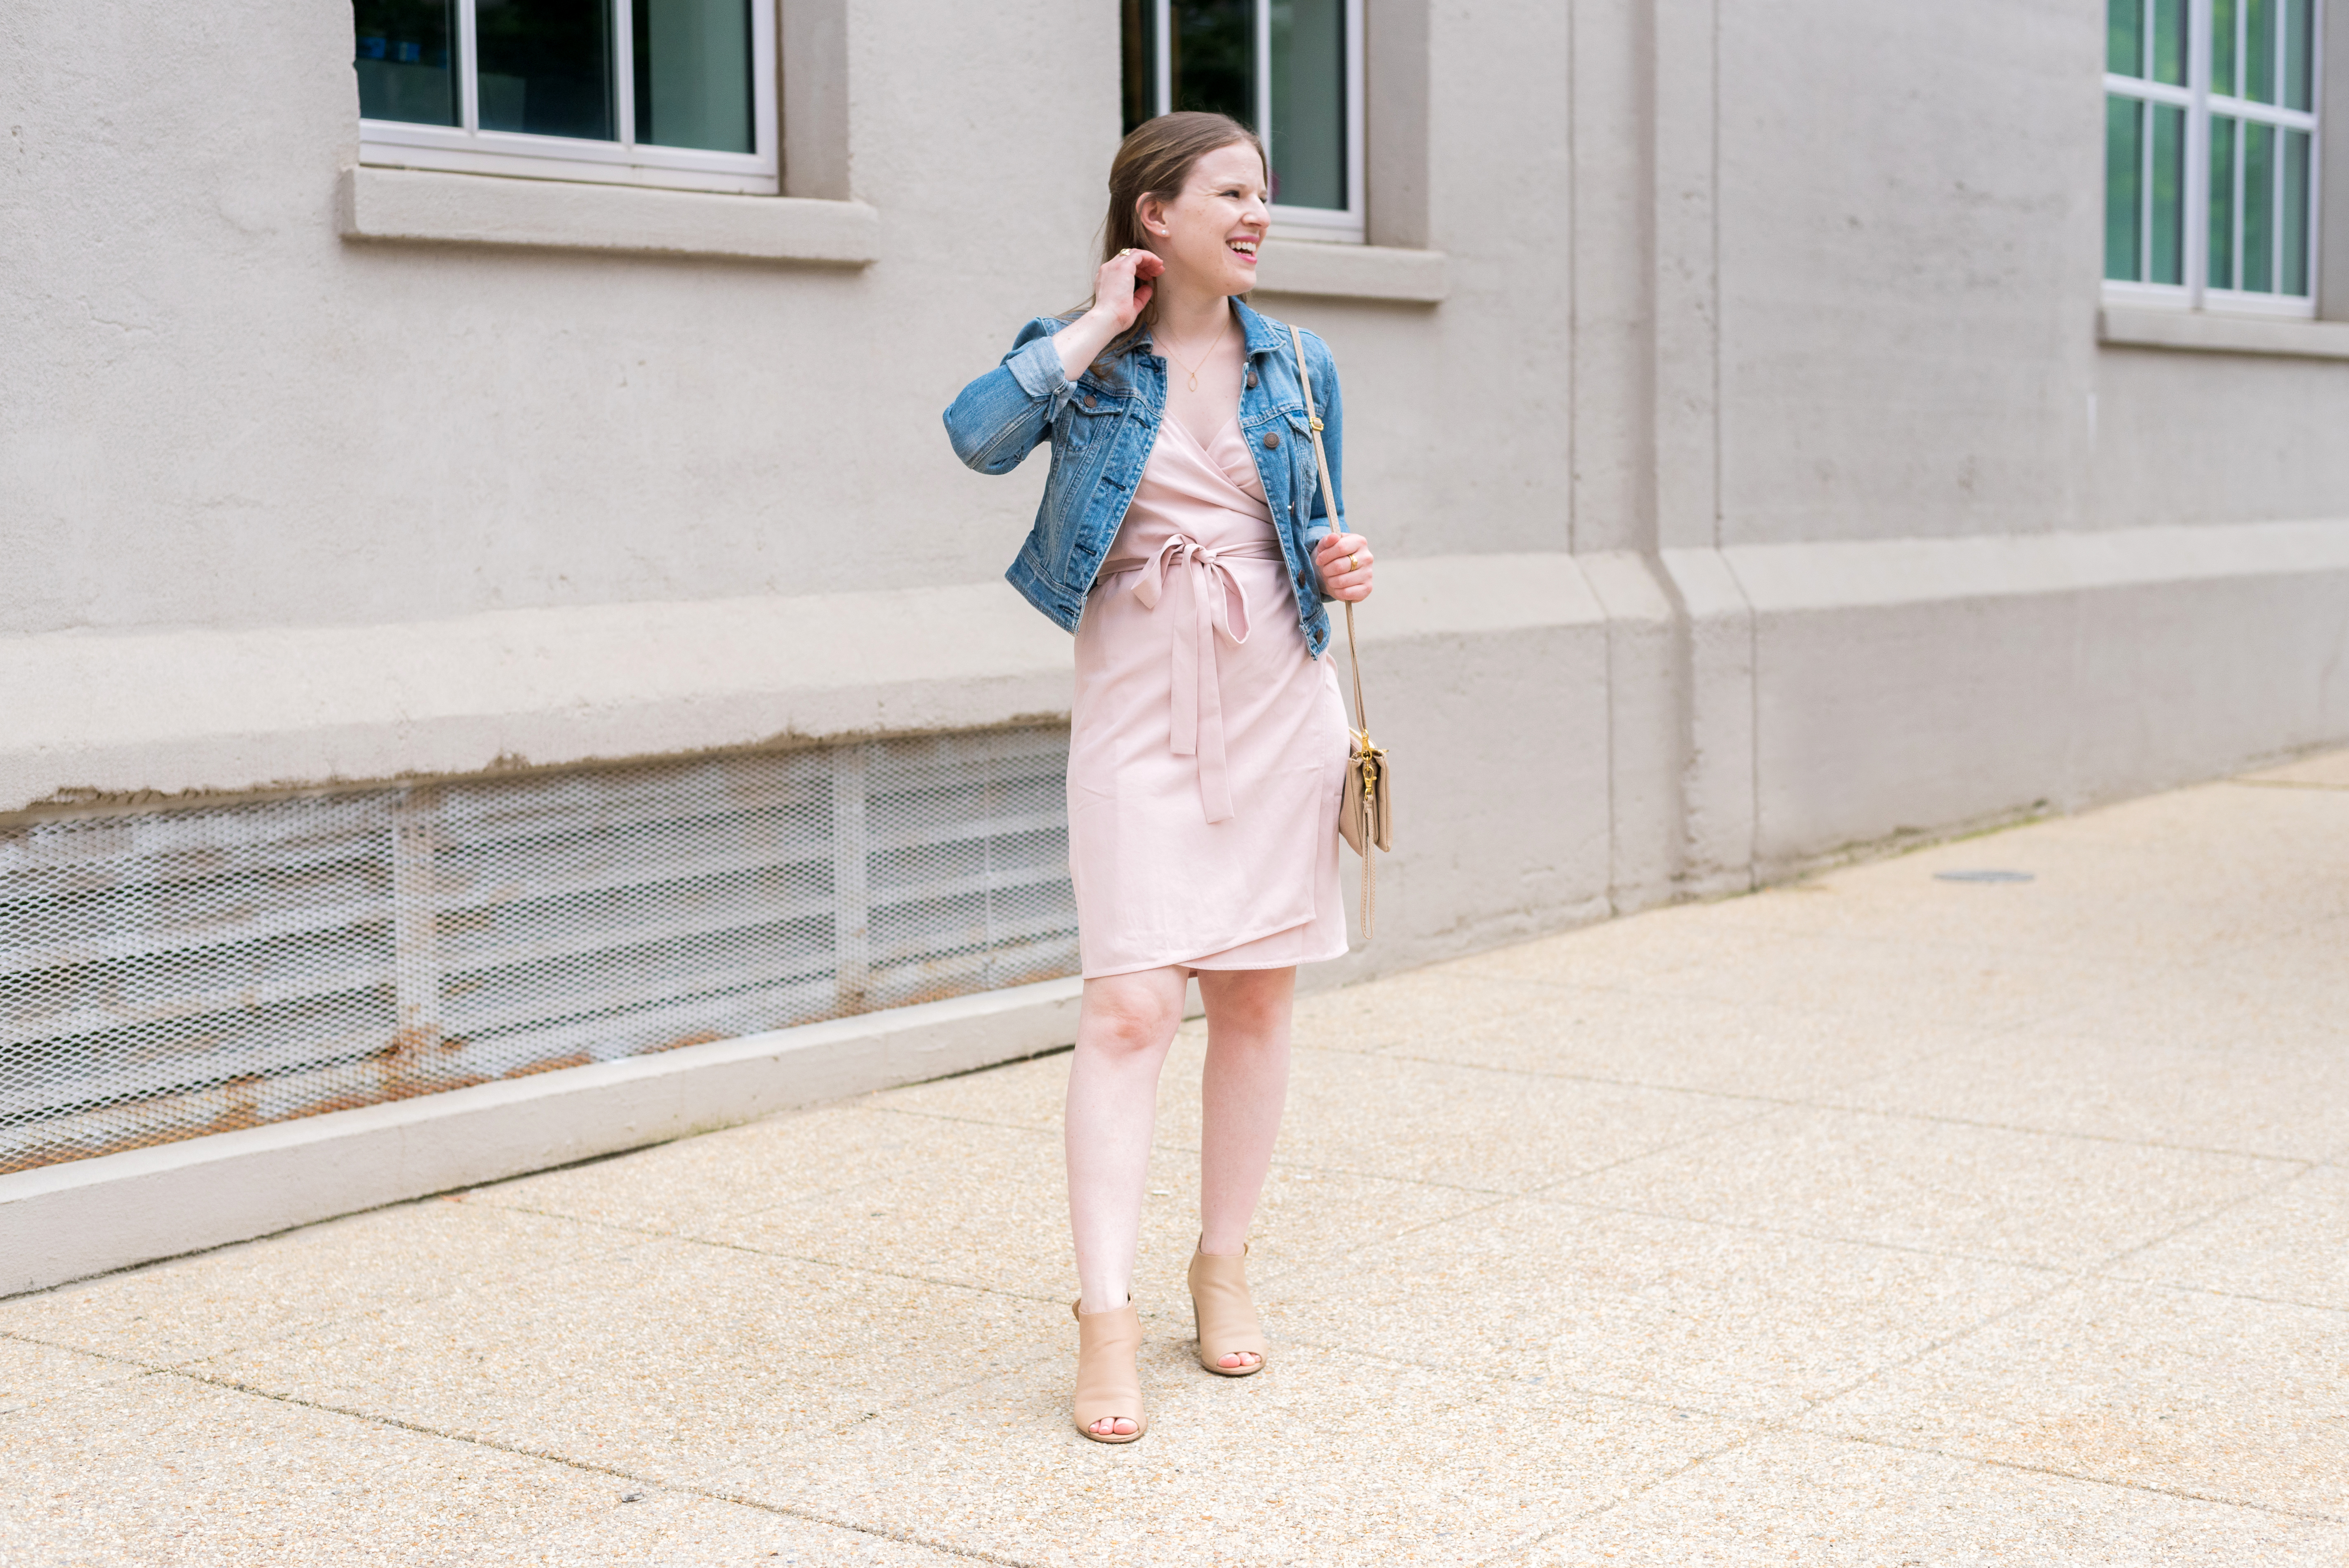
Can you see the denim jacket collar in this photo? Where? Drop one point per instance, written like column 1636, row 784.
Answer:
column 1258, row 333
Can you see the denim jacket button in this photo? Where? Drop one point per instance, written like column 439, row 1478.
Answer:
column 1251, row 380
column 1090, row 402
column 1271, row 440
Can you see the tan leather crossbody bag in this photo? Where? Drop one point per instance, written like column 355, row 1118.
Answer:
column 1366, row 811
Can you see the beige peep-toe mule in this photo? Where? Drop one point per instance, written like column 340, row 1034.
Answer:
column 1108, row 1387
column 1225, row 1314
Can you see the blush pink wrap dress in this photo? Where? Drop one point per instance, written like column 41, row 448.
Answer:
column 1208, row 748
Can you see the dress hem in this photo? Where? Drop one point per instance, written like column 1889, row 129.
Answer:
column 1344, row 947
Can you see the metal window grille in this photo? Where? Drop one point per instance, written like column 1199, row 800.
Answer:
column 168, row 974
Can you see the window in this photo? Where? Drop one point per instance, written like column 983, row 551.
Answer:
column 1291, row 70
column 2210, row 153
column 643, row 92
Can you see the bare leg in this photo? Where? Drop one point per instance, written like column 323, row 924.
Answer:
column 1122, row 1033
column 1243, row 1090
column 1126, row 1023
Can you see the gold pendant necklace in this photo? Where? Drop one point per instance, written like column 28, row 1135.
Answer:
column 1191, row 372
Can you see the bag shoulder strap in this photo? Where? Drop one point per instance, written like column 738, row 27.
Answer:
column 1329, row 505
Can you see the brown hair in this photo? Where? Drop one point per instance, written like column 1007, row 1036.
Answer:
column 1156, row 160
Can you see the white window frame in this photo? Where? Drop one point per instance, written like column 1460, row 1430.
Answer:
column 468, row 148
column 2200, row 103
column 1296, row 223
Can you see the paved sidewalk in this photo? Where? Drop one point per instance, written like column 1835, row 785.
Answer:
column 1878, row 1219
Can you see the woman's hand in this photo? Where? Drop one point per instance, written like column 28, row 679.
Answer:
column 1344, row 562
column 1121, row 289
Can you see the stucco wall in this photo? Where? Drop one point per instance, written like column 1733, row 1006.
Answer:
column 222, row 413
column 1910, row 241
column 279, row 506
column 2218, row 439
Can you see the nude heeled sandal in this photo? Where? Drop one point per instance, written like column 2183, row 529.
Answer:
column 1225, row 1313
column 1108, row 1387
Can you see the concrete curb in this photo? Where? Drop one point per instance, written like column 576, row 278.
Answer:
column 92, row 1216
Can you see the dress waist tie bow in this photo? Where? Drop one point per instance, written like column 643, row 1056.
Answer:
column 1219, row 605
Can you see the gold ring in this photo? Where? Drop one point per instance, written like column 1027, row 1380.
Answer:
column 1354, row 560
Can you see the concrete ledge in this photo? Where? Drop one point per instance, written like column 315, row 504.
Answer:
column 175, row 712
column 1905, row 687
column 89, row 1216
column 2200, row 332
column 292, row 707
column 93, row 717
column 1846, row 575
column 1353, row 271
column 429, row 207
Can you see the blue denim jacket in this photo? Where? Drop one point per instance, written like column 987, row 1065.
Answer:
column 1102, row 429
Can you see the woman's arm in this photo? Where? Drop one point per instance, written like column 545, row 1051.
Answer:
column 996, row 420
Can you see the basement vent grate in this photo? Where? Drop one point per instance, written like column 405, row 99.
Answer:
column 169, row 974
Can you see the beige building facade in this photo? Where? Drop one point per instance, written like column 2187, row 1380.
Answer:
column 1761, row 462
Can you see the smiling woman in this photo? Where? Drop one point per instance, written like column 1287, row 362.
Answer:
column 1189, row 538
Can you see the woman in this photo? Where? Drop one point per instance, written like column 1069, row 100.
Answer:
column 1183, row 539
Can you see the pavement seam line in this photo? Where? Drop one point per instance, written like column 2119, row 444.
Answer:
column 2205, row 1217
column 691, row 1239
column 787, row 1510
column 1758, row 1430
column 1502, row 1380
column 1956, row 1256
column 1819, row 1406
column 1774, row 1429
column 2225, row 1294
column 1395, row 1055
column 2094, row 1273
column 2050, row 1132
column 1812, row 1406
column 1846, row 1109
column 2117, row 1483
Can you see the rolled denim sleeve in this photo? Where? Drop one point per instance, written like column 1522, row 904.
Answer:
column 999, row 417
column 1036, row 365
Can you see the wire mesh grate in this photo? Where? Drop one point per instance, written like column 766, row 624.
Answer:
column 169, row 974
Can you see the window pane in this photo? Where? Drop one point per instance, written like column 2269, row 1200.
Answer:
column 693, row 73
column 2299, row 61
column 2169, row 42
column 2295, row 213
column 2259, row 208
column 2123, row 156
column 1214, row 56
column 2124, row 37
column 2260, row 50
column 2222, row 48
column 2166, row 256
column 1139, row 19
column 2223, row 203
column 1308, row 103
column 546, row 66
column 404, row 60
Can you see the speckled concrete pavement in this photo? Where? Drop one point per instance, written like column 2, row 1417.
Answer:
column 1880, row 1219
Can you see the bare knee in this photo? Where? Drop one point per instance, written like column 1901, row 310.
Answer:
column 1250, row 1005
column 1129, row 1020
